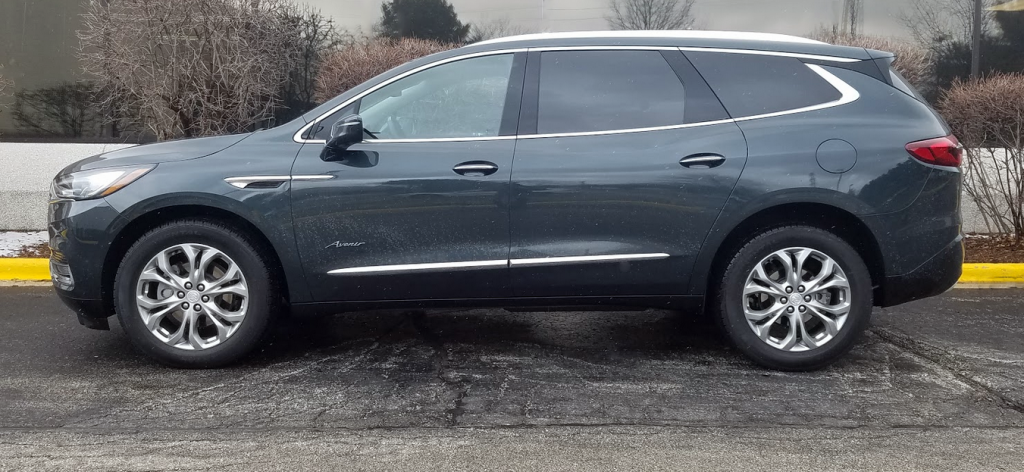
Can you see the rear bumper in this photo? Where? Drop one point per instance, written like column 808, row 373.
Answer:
column 935, row 276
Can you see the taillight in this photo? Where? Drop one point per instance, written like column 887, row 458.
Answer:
column 939, row 151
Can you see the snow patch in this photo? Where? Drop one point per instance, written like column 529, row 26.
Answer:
column 11, row 242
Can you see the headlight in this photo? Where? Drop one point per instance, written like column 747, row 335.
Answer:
column 88, row 184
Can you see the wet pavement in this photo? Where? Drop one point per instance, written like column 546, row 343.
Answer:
column 934, row 384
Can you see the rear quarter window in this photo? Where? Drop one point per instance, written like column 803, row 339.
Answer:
column 750, row 84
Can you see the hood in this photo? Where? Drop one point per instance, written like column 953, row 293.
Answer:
column 167, row 151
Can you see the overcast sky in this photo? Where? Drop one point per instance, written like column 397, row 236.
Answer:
column 881, row 17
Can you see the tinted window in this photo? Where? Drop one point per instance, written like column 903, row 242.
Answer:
column 323, row 129
column 460, row 99
column 900, row 83
column 749, row 84
column 607, row 90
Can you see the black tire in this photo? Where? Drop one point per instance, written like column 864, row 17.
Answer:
column 728, row 298
column 263, row 302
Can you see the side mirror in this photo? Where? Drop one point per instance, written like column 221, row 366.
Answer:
column 345, row 132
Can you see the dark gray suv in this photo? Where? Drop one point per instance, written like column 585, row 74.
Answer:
column 783, row 185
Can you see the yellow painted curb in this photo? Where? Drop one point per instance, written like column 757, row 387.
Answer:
column 992, row 273
column 24, row 269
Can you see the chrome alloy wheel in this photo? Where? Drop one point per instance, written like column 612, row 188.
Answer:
column 796, row 299
column 192, row 296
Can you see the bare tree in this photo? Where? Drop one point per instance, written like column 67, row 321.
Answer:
column 852, row 17
column 934, row 21
column 651, row 14
column 499, row 28
column 316, row 36
column 189, row 67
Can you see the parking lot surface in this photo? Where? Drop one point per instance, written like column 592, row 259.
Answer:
column 935, row 384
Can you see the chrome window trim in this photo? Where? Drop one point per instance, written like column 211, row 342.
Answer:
column 813, row 57
column 541, row 261
column 297, row 137
column 848, row 94
column 532, row 262
column 437, row 140
column 602, row 48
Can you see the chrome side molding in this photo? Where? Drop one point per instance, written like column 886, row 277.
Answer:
column 435, row 266
column 539, row 261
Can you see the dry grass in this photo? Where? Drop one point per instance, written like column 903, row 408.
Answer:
column 358, row 62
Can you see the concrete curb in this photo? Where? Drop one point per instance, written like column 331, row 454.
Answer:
column 974, row 276
column 24, row 269
column 992, row 276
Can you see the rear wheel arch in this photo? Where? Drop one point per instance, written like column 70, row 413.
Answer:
column 833, row 219
column 153, row 218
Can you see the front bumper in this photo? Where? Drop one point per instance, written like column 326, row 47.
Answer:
column 80, row 234
column 935, row 276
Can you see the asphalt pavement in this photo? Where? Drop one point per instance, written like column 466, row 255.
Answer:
column 936, row 384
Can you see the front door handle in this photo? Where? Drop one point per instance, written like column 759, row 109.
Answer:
column 476, row 168
column 704, row 160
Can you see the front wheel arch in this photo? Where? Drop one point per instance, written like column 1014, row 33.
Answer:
column 142, row 224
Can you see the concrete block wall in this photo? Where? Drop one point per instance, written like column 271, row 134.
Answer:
column 26, row 170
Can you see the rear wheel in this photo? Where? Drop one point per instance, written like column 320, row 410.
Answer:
column 795, row 298
column 195, row 293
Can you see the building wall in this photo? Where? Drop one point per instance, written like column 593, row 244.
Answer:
column 38, row 44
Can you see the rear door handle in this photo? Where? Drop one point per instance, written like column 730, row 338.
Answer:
column 476, row 168
column 707, row 160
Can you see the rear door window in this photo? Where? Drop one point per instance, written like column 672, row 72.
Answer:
column 751, row 84
column 586, row 91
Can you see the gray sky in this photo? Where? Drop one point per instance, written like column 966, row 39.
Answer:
column 881, row 17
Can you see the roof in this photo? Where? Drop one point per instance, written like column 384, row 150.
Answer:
column 673, row 38
column 656, row 34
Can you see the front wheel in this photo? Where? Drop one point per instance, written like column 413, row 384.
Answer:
column 195, row 293
column 795, row 298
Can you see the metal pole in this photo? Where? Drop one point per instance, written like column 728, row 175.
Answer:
column 976, row 41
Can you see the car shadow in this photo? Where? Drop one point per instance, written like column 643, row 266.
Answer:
column 623, row 331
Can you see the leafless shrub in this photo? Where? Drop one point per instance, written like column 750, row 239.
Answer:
column 499, row 28
column 316, row 36
column 359, row 61
column 189, row 67
column 988, row 116
column 651, row 14
column 913, row 61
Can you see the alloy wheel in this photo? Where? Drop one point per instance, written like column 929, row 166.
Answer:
column 192, row 296
column 796, row 299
